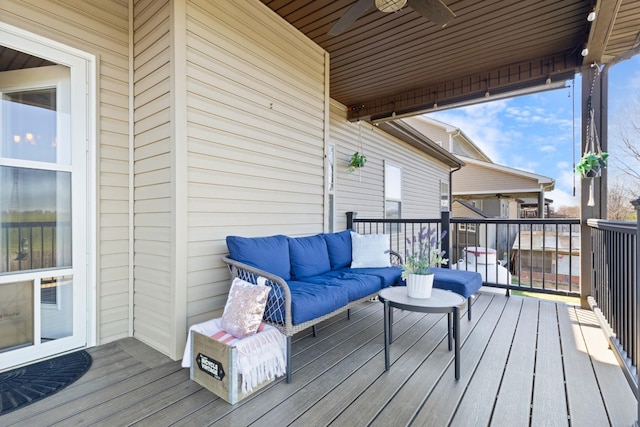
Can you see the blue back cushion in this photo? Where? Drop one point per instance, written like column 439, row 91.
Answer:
column 309, row 256
column 339, row 245
column 270, row 254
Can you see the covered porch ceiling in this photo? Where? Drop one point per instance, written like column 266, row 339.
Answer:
column 396, row 64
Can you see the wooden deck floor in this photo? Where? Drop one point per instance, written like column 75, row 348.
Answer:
column 524, row 362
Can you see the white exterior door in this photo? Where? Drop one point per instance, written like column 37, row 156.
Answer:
column 44, row 232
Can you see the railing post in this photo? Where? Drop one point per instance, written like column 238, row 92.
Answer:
column 445, row 217
column 636, row 205
column 350, row 217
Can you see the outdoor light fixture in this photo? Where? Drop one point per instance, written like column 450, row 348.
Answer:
column 585, row 51
column 548, row 81
column 591, row 16
column 487, row 94
column 390, row 5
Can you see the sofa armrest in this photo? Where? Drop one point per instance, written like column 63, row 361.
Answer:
column 396, row 258
column 278, row 309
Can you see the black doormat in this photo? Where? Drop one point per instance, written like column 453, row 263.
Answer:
column 23, row 386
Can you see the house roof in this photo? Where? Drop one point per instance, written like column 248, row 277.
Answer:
column 395, row 64
column 477, row 213
column 413, row 137
column 481, row 179
column 456, row 133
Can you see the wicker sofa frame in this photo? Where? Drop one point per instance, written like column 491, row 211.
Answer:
column 282, row 308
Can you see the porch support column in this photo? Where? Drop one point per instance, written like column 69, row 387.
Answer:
column 541, row 205
column 594, row 94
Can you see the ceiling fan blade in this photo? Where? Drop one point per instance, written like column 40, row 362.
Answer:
column 434, row 10
column 356, row 11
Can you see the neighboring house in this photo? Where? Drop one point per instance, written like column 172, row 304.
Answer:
column 494, row 189
column 529, row 208
column 137, row 140
column 547, row 256
column 484, row 189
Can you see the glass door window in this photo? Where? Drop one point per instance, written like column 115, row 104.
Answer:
column 43, row 246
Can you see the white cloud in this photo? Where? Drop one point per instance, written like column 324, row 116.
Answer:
column 562, row 198
column 531, row 133
column 481, row 122
column 565, row 181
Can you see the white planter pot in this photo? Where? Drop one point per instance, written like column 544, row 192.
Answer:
column 419, row 285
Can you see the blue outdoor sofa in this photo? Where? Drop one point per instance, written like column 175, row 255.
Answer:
column 313, row 277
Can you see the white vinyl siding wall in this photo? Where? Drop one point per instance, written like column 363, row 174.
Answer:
column 229, row 138
column 437, row 134
column 99, row 28
column 154, row 320
column 255, row 123
column 363, row 192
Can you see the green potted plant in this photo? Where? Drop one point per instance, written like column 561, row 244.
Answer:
column 356, row 162
column 427, row 253
column 591, row 163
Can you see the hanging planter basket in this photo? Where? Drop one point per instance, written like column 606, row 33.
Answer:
column 356, row 162
column 594, row 159
column 591, row 164
column 357, row 159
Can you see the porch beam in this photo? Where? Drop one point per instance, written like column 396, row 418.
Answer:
column 601, row 29
column 539, row 72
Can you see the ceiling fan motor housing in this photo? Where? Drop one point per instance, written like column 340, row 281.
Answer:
column 390, row 5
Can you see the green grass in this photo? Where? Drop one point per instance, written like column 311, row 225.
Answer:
column 549, row 297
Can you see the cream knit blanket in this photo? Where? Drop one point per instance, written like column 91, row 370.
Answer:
column 261, row 356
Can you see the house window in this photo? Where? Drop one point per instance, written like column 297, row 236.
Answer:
column 331, row 185
column 467, row 227
column 444, row 196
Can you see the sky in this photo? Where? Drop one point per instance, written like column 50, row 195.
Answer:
column 535, row 132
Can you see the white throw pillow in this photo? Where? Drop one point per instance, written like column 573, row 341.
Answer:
column 369, row 250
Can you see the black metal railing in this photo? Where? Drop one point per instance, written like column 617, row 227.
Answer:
column 34, row 245
column 539, row 255
column 543, row 255
column 615, row 285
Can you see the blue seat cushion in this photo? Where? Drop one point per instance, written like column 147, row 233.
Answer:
column 339, row 246
column 465, row 283
column 270, row 254
column 309, row 256
column 308, row 301
column 357, row 285
column 390, row 275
